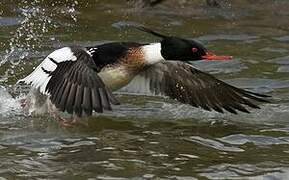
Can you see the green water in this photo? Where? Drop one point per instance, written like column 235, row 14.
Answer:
column 148, row 137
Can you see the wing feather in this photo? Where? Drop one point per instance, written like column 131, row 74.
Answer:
column 186, row 84
column 72, row 82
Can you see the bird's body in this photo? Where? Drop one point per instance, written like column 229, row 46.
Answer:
column 119, row 73
column 118, row 69
column 81, row 80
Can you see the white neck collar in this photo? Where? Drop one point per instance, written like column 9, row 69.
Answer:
column 152, row 53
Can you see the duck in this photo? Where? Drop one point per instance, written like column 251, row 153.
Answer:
column 80, row 81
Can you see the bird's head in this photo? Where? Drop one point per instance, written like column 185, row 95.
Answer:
column 175, row 48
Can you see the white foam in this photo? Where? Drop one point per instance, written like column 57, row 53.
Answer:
column 8, row 105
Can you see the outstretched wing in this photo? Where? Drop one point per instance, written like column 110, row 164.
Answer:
column 183, row 82
column 69, row 76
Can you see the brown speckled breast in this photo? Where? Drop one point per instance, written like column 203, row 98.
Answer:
column 134, row 61
column 121, row 73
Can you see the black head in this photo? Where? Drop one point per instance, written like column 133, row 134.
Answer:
column 175, row 48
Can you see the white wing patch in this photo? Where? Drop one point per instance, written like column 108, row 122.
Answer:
column 38, row 78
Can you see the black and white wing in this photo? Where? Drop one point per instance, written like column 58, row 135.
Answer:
column 69, row 76
column 186, row 84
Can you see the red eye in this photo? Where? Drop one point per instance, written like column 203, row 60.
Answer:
column 195, row 49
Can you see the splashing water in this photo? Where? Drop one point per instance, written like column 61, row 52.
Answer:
column 36, row 22
column 8, row 105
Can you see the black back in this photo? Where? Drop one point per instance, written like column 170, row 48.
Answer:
column 110, row 53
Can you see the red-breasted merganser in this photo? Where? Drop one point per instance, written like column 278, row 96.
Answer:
column 80, row 80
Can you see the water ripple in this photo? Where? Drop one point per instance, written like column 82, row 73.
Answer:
column 280, row 60
column 282, row 38
column 258, row 140
column 213, row 144
column 237, row 37
column 230, row 171
column 9, row 21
